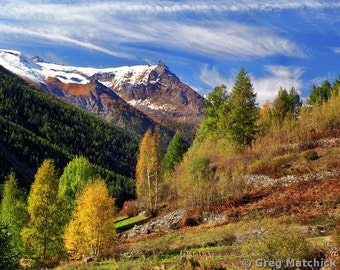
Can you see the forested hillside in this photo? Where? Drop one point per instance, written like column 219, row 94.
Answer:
column 255, row 183
column 273, row 170
column 35, row 126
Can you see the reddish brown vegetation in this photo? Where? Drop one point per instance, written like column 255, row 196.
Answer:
column 305, row 199
column 130, row 209
column 74, row 89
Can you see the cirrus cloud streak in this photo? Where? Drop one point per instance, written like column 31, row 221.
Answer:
column 105, row 26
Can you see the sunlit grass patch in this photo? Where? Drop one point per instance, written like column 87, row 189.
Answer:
column 127, row 223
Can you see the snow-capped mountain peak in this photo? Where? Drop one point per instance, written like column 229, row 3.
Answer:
column 21, row 65
column 38, row 70
column 152, row 89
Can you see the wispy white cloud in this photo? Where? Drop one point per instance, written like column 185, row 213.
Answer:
column 266, row 87
column 336, row 49
column 238, row 40
column 59, row 39
column 165, row 7
column 104, row 25
column 278, row 77
column 212, row 77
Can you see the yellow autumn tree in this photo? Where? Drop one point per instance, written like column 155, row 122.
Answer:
column 42, row 237
column 149, row 171
column 265, row 119
column 91, row 231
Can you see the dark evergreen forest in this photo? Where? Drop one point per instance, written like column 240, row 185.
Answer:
column 35, row 126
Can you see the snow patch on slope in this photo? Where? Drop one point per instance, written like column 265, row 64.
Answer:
column 147, row 103
column 132, row 75
column 66, row 74
column 81, row 75
column 21, row 65
column 40, row 70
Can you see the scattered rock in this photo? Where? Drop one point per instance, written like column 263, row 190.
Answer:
column 143, row 213
column 266, row 181
column 87, row 260
column 166, row 223
column 316, row 231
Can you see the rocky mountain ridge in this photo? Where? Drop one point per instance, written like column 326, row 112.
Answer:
column 135, row 97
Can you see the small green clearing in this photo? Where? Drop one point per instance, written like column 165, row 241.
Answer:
column 126, row 223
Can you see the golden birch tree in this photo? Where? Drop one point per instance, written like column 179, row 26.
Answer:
column 149, row 171
column 90, row 231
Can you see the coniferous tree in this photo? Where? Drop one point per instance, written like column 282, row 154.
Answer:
column 13, row 211
column 215, row 102
column 295, row 101
column 174, row 152
column 285, row 104
column 241, row 114
column 320, row 94
column 43, row 235
column 336, row 87
column 91, row 230
column 9, row 258
column 149, row 170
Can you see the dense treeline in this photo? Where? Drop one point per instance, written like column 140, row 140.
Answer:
column 35, row 126
column 236, row 138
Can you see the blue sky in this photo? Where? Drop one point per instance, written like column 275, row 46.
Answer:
column 280, row 43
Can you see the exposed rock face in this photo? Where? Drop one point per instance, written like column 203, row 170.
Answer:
column 134, row 99
column 102, row 101
column 164, row 224
column 160, row 94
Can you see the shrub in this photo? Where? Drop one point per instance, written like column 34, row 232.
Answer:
column 130, row 209
column 201, row 261
column 274, row 167
column 192, row 217
column 318, row 254
column 273, row 242
column 336, row 233
column 311, row 155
